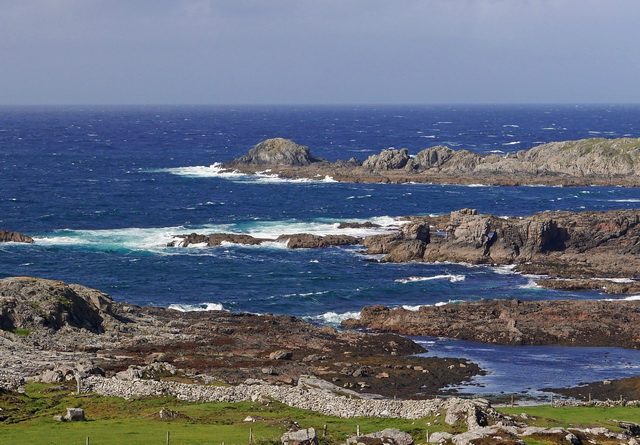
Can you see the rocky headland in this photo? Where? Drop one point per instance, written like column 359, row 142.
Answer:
column 48, row 328
column 514, row 322
column 580, row 250
column 569, row 163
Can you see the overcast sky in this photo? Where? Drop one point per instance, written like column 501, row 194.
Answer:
column 319, row 51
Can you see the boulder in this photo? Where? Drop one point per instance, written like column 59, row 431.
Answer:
column 300, row 437
column 388, row 436
column 75, row 414
column 281, row 354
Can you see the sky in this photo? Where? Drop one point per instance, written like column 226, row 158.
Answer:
column 319, row 51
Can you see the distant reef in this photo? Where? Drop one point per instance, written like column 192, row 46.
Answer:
column 570, row 163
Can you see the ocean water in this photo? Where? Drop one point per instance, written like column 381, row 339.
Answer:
column 104, row 189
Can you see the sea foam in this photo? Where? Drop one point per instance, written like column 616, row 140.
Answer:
column 451, row 278
column 197, row 307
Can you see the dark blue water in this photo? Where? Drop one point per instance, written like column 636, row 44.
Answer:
column 104, row 189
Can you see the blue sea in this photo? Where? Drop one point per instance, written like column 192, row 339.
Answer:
column 104, row 189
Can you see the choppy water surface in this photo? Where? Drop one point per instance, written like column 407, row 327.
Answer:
column 103, row 190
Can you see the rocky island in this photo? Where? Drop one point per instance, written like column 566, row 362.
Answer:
column 583, row 162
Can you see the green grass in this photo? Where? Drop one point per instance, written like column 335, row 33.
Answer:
column 114, row 420
column 581, row 416
column 27, row 419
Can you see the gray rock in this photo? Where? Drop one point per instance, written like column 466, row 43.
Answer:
column 300, row 437
column 75, row 414
column 387, row 160
column 277, row 152
column 281, row 354
column 388, row 436
column 440, row 436
column 573, row 439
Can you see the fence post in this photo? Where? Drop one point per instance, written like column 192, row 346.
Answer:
column 168, row 437
column 324, row 431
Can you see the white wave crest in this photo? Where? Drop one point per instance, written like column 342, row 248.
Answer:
column 451, row 278
column 335, row 318
column 201, row 171
column 625, row 200
column 629, row 298
column 417, row 307
column 504, row 270
column 197, row 307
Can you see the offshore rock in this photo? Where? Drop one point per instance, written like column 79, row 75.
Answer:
column 14, row 237
column 309, row 241
column 277, row 152
column 293, row 241
column 513, row 322
column 215, row 239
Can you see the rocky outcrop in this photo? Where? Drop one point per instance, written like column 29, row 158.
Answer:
column 582, row 162
column 387, row 160
column 579, row 246
column 513, row 322
column 277, row 152
column 14, row 237
column 31, row 304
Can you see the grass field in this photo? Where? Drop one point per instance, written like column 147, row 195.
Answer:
column 27, row 419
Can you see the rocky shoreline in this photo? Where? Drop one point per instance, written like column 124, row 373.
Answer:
column 569, row 163
column 48, row 327
column 570, row 250
column 514, row 322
